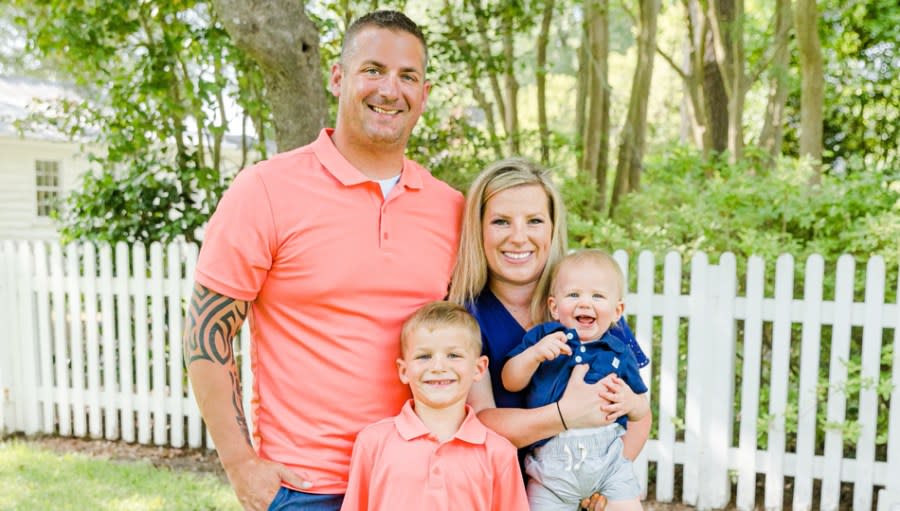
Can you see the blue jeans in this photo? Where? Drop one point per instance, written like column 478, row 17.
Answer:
column 291, row 500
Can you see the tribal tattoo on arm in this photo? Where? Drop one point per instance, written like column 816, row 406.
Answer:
column 213, row 322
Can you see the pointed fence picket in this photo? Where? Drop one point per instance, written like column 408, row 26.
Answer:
column 750, row 384
column 809, row 374
column 92, row 347
column 668, row 380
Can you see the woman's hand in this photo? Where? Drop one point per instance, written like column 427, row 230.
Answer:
column 582, row 405
column 622, row 400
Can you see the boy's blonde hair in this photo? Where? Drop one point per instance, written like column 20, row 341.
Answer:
column 441, row 314
column 588, row 255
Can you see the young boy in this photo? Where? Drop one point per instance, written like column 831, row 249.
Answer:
column 585, row 299
column 436, row 454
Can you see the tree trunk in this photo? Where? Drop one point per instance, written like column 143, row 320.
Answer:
column 694, row 78
column 596, row 134
column 541, row 72
column 474, row 72
column 714, row 94
column 811, row 83
column 772, row 134
column 631, row 147
column 728, row 22
column 493, row 79
column 279, row 36
column 581, row 92
column 512, row 87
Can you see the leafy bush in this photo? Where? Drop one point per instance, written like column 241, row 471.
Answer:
column 690, row 204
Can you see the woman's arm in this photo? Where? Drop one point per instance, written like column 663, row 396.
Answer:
column 623, row 401
column 636, row 435
column 580, row 406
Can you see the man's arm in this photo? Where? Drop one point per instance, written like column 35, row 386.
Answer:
column 212, row 323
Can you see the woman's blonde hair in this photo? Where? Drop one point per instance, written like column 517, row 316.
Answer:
column 470, row 275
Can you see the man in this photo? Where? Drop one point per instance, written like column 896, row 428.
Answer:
column 328, row 248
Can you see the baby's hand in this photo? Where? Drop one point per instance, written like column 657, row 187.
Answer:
column 622, row 400
column 551, row 346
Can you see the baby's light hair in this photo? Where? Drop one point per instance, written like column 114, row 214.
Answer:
column 441, row 314
column 587, row 255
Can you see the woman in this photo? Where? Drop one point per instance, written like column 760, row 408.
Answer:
column 513, row 232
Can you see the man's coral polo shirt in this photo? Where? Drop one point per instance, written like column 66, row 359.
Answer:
column 332, row 271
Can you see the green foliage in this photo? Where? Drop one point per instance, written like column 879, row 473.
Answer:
column 690, row 204
column 450, row 147
column 751, row 208
column 33, row 478
column 154, row 78
column 861, row 46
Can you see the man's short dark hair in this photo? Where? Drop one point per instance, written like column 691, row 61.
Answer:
column 390, row 20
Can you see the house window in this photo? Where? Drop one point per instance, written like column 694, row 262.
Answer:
column 46, row 175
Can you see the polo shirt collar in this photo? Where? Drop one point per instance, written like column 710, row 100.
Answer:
column 335, row 163
column 608, row 339
column 410, row 426
column 611, row 341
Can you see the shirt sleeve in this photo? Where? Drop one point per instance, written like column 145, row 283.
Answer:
column 357, row 496
column 509, row 492
column 240, row 240
column 630, row 374
column 623, row 332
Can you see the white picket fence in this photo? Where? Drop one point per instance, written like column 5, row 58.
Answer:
column 75, row 362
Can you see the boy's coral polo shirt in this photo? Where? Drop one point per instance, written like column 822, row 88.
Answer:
column 332, row 271
column 398, row 464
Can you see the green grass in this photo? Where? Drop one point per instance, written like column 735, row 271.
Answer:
column 34, row 478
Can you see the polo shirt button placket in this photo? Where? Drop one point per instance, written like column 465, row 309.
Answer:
column 383, row 225
column 434, row 476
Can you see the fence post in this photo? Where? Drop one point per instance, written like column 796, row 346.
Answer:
column 718, row 388
column 696, row 362
column 668, row 380
column 868, row 396
column 750, row 381
column 30, row 353
column 889, row 497
column 643, row 304
column 809, row 379
column 8, row 422
column 778, row 381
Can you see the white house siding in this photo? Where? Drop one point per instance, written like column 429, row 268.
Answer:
column 18, row 196
column 18, row 193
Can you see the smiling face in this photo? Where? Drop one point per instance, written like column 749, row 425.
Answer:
column 586, row 296
column 381, row 89
column 517, row 230
column 440, row 364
